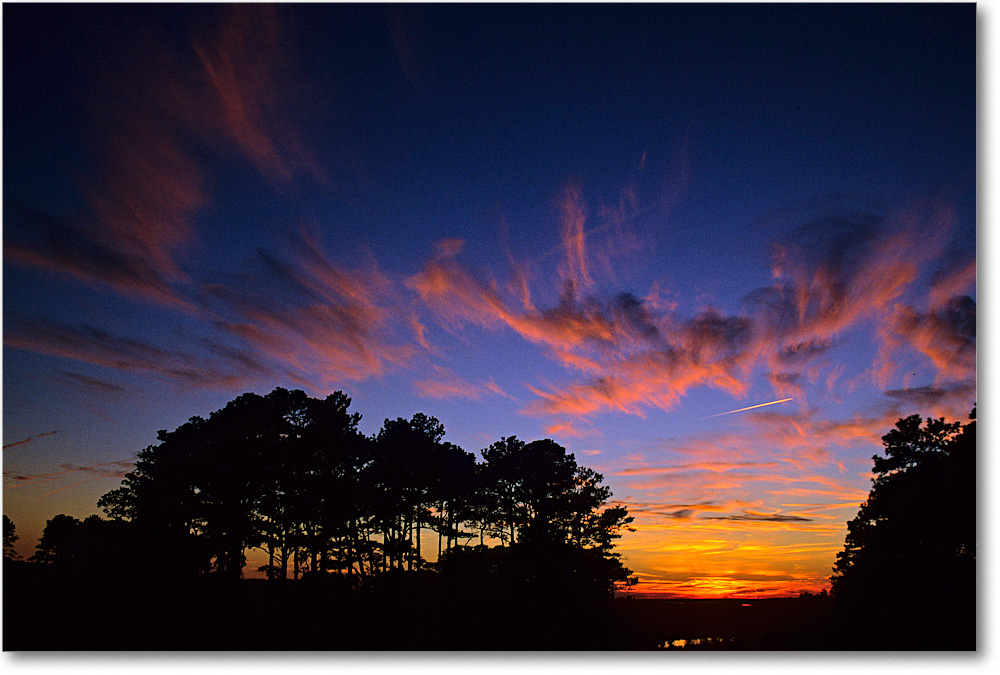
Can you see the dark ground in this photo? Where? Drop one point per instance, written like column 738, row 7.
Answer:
column 43, row 611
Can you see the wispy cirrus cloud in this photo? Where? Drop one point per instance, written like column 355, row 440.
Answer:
column 83, row 248
column 95, row 472
column 944, row 401
column 328, row 324
column 141, row 200
column 234, row 90
column 29, row 439
column 787, row 384
column 251, row 82
column 446, row 384
column 946, row 335
column 834, row 274
column 325, row 322
column 574, row 269
column 85, row 343
column 115, row 469
column 682, row 509
column 954, row 280
column 591, row 335
column 762, row 517
column 292, row 316
column 91, row 383
column 153, row 120
column 716, row 467
column 569, row 429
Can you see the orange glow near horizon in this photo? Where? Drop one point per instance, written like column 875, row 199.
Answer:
column 723, row 559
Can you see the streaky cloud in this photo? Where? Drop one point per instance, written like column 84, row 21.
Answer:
column 445, row 384
column 835, row 273
column 97, row 471
column 250, row 77
column 314, row 318
column 91, row 383
column 83, row 248
column 569, row 429
column 930, row 397
column 946, row 335
column 761, row 517
column 152, row 120
column 29, row 439
column 85, row 343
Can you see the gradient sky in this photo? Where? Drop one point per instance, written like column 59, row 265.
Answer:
column 606, row 225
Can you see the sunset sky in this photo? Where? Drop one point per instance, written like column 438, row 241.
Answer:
column 606, row 225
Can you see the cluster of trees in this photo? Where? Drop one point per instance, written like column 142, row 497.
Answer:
column 909, row 559
column 293, row 476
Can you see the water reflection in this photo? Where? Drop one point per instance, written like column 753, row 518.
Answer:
column 697, row 643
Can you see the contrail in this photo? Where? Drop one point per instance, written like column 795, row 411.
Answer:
column 759, row 405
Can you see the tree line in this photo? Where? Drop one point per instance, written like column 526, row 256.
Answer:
column 293, row 476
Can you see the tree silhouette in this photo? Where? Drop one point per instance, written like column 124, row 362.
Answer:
column 292, row 475
column 93, row 546
column 909, row 558
column 263, row 471
column 503, row 490
column 539, row 493
column 9, row 539
column 349, row 518
column 551, row 515
column 161, row 500
column 322, row 464
column 60, row 542
column 452, row 491
column 418, row 478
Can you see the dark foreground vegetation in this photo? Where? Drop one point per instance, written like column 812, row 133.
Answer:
column 525, row 557
column 399, row 611
column 404, row 611
column 420, row 611
column 907, row 573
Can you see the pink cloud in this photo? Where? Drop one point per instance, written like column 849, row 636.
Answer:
column 445, row 384
column 945, row 335
column 97, row 347
column 715, row 467
column 641, row 354
column 29, row 439
column 250, row 76
column 574, row 270
column 151, row 119
column 952, row 283
column 569, row 429
column 141, row 203
column 331, row 324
